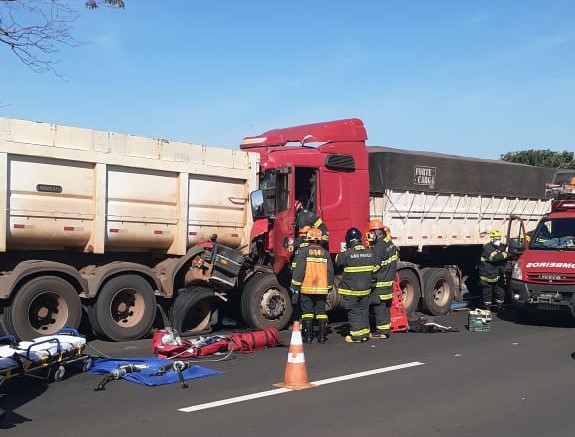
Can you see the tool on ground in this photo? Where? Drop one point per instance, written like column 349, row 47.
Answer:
column 178, row 367
column 121, row 371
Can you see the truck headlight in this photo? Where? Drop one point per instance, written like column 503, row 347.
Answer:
column 516, row 272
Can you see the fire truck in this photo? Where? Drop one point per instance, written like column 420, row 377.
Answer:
column 543, row 260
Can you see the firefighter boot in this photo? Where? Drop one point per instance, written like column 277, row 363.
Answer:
column 307, row 331
column 322, row 332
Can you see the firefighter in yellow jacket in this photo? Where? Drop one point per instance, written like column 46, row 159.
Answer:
column 313, row 279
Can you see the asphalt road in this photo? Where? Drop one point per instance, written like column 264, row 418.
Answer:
column 517, row 380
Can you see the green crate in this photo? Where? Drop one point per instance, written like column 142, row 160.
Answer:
column 479, row 321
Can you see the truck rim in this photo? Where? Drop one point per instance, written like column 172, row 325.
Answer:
column 48, row 313
column 127, row 307
column 441, row 293
column 272, row 305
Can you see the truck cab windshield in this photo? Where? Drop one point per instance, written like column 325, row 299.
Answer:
column 554, row 234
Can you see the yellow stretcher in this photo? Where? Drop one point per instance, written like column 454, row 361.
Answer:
column 43, row 357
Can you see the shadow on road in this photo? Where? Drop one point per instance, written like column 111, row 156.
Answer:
column 550, row 318
column 15, row 393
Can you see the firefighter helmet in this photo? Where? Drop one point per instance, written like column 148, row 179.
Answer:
column 495, row 234
column 352, row 237
column 297, row 206
column 303, row 231
column 375, row 224
column 314, row 234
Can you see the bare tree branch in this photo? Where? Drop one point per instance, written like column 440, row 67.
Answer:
column 33, row 29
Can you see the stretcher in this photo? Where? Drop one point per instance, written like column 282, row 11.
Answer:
column 44, row 357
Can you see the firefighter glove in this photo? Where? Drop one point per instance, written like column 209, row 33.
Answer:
column 294, row 296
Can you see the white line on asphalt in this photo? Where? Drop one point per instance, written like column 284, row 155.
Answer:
column 278, row 391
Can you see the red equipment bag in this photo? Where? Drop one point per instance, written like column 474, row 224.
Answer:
column 253, row 340
column 167, row 343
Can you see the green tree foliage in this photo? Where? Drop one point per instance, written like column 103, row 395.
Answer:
column 93, row 4
column 542, row 158
column 34, row 29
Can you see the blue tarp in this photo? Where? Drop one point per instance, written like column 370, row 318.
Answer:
column 144, row 376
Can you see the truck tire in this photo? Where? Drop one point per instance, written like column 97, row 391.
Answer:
column 125, row 309
column 333, row 298
column 265, row 303
column 438, row 291
column 410, row 290
column 42, row 306
column 194, row 311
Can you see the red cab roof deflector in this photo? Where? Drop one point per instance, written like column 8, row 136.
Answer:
column 350, row 129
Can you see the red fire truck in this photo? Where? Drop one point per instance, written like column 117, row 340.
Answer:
column 543, row 266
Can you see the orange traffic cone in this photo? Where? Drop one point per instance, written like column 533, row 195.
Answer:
column 399, row 322
column 295, row 377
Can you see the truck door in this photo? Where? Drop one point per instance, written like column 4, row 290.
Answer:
column 283, row 232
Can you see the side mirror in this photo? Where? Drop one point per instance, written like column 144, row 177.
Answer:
column 257, row 203
column 516, row 246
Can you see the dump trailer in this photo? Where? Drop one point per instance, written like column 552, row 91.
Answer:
column 110, row 226
column 440, row 208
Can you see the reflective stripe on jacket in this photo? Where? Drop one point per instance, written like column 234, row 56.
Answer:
column 493, row 260
column 313, row 270
column 385, row 266
column 357, row 278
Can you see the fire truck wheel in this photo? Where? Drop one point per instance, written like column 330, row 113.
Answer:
column 125, row 308
column 42, row 306
column 265, row 303
column 410, row 290
column 438, row 291
column 194, row 311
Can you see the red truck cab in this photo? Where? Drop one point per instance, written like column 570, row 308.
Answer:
column 323, row 165
column 543, row 271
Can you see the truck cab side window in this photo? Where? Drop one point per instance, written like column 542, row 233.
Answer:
column 305, row 187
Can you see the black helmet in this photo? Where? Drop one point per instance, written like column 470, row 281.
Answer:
column 352, row 237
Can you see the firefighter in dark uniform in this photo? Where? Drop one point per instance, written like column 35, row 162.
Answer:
column 313, row 279
column 303, row 217
column 355, row 285
column 491, row 267
column 385, row 267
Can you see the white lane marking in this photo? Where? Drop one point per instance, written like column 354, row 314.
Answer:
column 278, row 391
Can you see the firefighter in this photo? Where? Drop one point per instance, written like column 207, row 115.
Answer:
column 355, row 285
column 303, row 217
column 493, row 260
column 313, row 278
column 385, row 267
column 301, row 234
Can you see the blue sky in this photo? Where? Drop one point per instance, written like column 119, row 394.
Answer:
column 473, row 78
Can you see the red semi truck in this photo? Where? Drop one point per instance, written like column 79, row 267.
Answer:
column 440, row 208
column 543, row 269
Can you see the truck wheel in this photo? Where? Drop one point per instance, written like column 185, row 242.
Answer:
column 193, row 311
column 265, row 303
column 333, row 299
column 125, row 308
column 42, row 306
column 438, row 291
column 410, row 290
